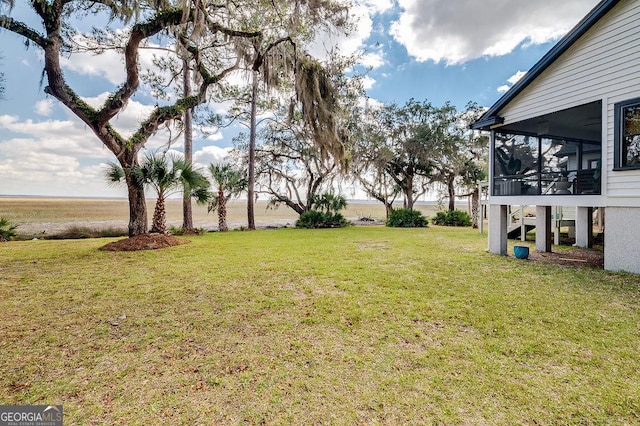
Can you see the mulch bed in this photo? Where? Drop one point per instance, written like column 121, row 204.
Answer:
column 144, row 242
column 575, row 256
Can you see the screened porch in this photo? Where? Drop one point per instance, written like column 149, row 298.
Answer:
column 553, row 154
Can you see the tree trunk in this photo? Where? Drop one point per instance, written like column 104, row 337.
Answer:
column 475, row 207
column 187, row 211
column 251, row 219
column 137, row 202
column 222, row 212
column 409, row 194
column 137, row 209
column 159, row 224
column 452, row 192
column 388, row 208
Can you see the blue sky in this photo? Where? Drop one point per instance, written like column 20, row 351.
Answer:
column 439, row 50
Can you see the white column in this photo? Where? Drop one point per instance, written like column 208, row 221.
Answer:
column 557, row 216
column 498, row 229
column 544, row 234
column 523, row 228
column 584, row 227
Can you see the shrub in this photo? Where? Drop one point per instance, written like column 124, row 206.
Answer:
column 76, row 232
column 179, row 230
column 7, row 229
column 407, row 218
column 316, row 219
column 452, row 218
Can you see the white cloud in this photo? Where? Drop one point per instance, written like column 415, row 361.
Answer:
column 516, row 77
column 370, row 103
column 216, row 136
column 373, row 60
column 368, row 82
column 210, row 154
column 346, row 44
column 512, row 80
column 44, row 107
column 377, row 6
column 50, row 136
column 456, row 32
column 50, row 165
column 58, row 157
column 108, row 64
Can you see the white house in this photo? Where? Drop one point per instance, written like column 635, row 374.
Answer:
column 568, row 134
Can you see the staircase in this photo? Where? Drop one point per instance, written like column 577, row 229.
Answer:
column 518, row 222
column 515, row 230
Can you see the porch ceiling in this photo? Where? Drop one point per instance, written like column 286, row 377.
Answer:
column 583, row 123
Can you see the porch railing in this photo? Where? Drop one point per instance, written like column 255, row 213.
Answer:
column 574, row 182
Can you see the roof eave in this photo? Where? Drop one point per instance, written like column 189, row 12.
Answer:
column 487, row 124
column 567, row 41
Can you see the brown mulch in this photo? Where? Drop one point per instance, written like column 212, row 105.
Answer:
column 575, row 256
column 144, row 242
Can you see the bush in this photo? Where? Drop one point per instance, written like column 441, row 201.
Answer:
column 407, row 218
column 452, row 218
column 7, row 229
column 179, row 230
column 76, row 232
column 317, row 219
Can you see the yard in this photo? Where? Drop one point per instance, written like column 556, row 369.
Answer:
column 364, row 325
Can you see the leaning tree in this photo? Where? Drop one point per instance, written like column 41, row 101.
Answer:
column 211, row 39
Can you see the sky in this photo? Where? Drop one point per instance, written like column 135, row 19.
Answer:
column 440, row 50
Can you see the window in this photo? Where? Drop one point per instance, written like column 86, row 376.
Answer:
column 627, row 134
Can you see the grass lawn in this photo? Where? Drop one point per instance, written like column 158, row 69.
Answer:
column 363, row 325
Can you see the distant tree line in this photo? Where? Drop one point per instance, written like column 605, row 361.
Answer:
column 396, row 154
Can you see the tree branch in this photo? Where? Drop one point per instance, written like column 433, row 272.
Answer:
column 23, row 30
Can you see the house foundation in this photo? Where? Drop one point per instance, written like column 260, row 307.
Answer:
column 584, row 227
column 498, row 229
column 621, row 239
column 544, row 232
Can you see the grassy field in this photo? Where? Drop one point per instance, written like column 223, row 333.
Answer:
column 33, row 215
column 27, row 210
column 363, row 325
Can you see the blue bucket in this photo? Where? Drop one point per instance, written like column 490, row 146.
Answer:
column 521, row 252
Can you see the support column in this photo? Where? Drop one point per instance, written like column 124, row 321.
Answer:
column 584, row 227
column 523, row 227
column 544, row 234
column 557, row 218
column 498, row 229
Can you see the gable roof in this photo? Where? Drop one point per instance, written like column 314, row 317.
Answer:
column 491, row 117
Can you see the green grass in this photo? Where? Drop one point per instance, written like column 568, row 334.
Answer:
column 343, row 326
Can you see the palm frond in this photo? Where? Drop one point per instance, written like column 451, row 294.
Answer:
column 114, row 174
column 201, row 195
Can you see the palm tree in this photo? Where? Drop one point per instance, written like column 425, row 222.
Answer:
column 231, row 182
column 329, row 202
column 166, row 176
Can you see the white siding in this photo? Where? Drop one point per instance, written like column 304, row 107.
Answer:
column 603, row 65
